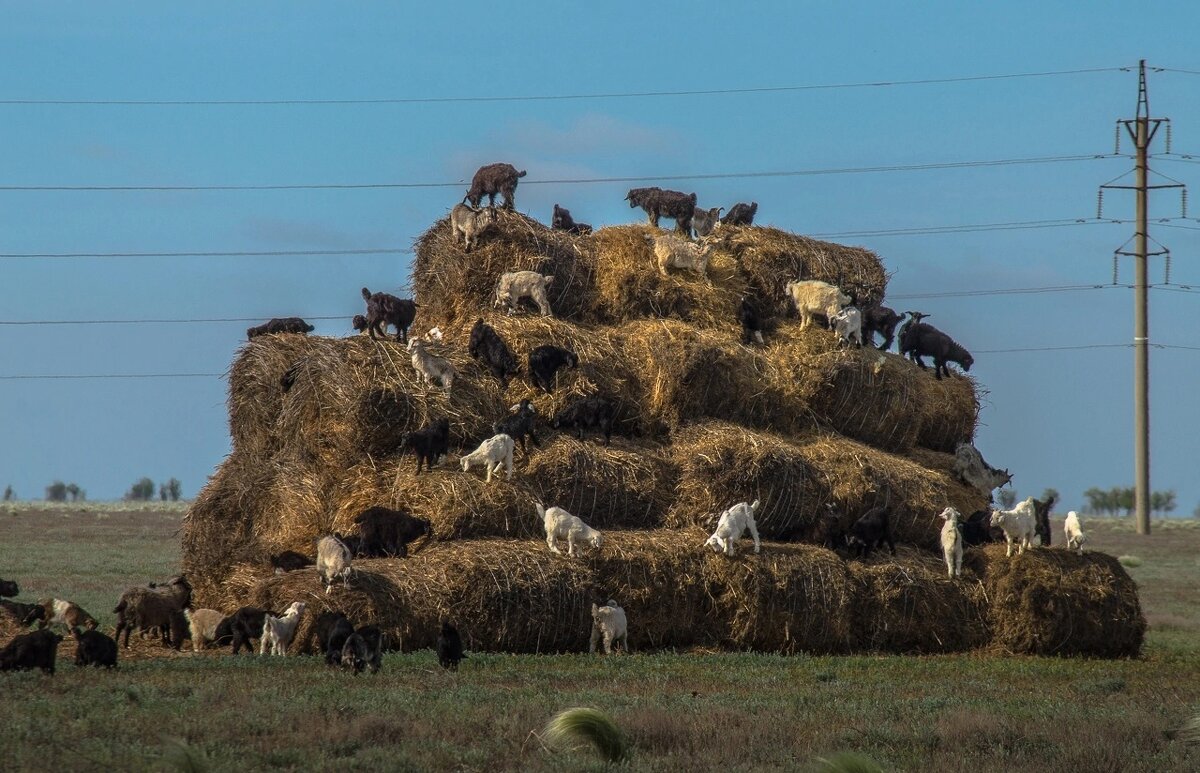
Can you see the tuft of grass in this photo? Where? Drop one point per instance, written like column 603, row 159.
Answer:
column 180, row 755
column 848, row 762
column 1129, row 561
column 1106, row 686
column 1190, row 732
column 581, row 726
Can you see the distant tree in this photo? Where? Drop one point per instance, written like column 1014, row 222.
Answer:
column 1163, row 501
column 56, row 492
column 9, row 495
column 1007, row 497
column 1123, row 498
column 1049, row 494
column 141, row 491
column 171, row 490
column 162, row 491
column 1196, row 512
column 1096, row 499
column 75, row 492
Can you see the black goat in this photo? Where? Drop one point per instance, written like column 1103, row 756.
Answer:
column 976, row 529
column 94, row 649
column 881, row 320
column 1041, row 518
column 359, row 323
column 492, row 179
column 562, row 221
column 830, row 532
column 290, row 561
column 31, row 650
column 489, row 348
column 363, row 649
column 870, row 532
column 22, row 612
column 705, row 220
column 240, row 627
column 386, row 532
column 449, row 647
column 280, row 325
column 9, row 588
column 741, row 214
column 544, row 362
column 384, row 309
column 586, row 412
column 922, row 340
column 752, row 325
column 658, row 203
column 519, row 425
column 330, row 629
column 429, row 443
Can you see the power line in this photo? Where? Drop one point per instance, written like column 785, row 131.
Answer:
column 1016, row 225
column 1007, row 291
column 1054, row 348
column 24, row 377
column 1173, row 69
column 571, row 181
column 157, row 321
column 200, row 254
column 554, row 97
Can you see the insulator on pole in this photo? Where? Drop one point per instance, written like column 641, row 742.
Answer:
column 1168, row 151
column 1167, row 269
column 1099, row 203
column 1117, row 139
column 1183, row 203
column 1114, row 268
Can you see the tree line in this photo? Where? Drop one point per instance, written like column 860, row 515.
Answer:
column 1120, row 498
column 141, row 491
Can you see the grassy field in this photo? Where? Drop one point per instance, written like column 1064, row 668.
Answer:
column 694, row 711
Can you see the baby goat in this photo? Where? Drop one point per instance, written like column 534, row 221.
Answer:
column 610, row 625
column 278, row 632
column 560, row 524
column 494, row 453
column 952, row 541
column 430, row 367
column 1074, row 532
column 519, row 425
column 489, row 348
column 429, row 444
column 732, row 523
column 545, row 362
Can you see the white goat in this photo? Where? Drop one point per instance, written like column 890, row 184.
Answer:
column 516, row 285
column 952, row 541
column 970, row 468
column 1018, row 524
column 609, row 624
column 471, row 223
column 732, row 524
column 430, row 366
column 848, row 325
column 278, row 631
column 493, row 453
column 1074, row 532
column 203, row 625
column 674, row 252
column 560, row 524
column 333, row 561
column 811, row 296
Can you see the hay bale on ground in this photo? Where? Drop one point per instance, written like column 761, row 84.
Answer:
column 722, row 464
column 1057, row 602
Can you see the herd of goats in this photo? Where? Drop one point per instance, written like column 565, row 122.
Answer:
column 165, row 609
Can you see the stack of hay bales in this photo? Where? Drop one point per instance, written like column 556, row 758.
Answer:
column 703, row 422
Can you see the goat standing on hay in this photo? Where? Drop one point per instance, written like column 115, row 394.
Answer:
column 952, row 541
column 516, row 285
column 610, row 625
column 560, row 524
column 333, row 561
column 494, row 453
column 1017, row 524
column 705, row 220
column 730, row 527
column 657, row 203
column 1074, row 532
column 429, row 444
column 741, row 214
column 562, row 221
column 492, row 179
column 671, row 251
column 922, row 340
column 812, row 296
column 384, row 309
column 430, row 367
column 471, row 223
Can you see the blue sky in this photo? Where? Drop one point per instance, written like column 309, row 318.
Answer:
column 1061, row 419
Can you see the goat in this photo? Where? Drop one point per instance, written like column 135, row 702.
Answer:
column 1017, row 525
column 65, row 613
column 830, row 533
column 429, row 444
column 290, row 561
column 1041, row 518
column 847, row 323
column 516, row 285
column 280, row 325
column 562, row 221
column 94, row 649
column 492, row 179
column 870, row 531
column 812, row 296
column 922, row 340
column 494, row 453
column 489, row 348
column 430, row 367
column 751, row 321
column 705, row 220
column 670, row 251
column 970, row 468
column 658, row 203
column 161, row 606
column 9, row 588
column 976, row 528
column 203, row 625
column 1074, row 532
column 741, row 214
column 449, row 647
column 240, row 627
column 881, row 320
column 386, row 532
column 610, row 625
column 359, row 323
column 331, row 629
column 471, row 223
column 278, row 632
column 519, row 425
column 730, row 527
column 586, row 412
column 559, row 524
column 22, row 614
column 363, row 649
column 333, row 561
column 31, row 650
column 952, row 541
column 544, row 363
column 384, row 309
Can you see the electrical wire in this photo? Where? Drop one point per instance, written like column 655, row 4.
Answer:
column 200, row 254
column 556, row 97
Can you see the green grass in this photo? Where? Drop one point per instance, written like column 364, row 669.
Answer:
column 685, row 711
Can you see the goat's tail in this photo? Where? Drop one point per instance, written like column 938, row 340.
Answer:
column 755, row 505
column 366, row 294
column 521, row 173
column 541, row 511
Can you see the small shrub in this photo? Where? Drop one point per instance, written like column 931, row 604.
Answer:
column 1130, row 562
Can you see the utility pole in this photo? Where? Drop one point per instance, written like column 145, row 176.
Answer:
column 1141, row 130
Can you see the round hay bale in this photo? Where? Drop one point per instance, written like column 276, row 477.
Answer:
column 630, row 286
column 949, row 410
column 1057, row 602
column 722, row 464
column 453, row 286
column 255, row 396
column 770, row 258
